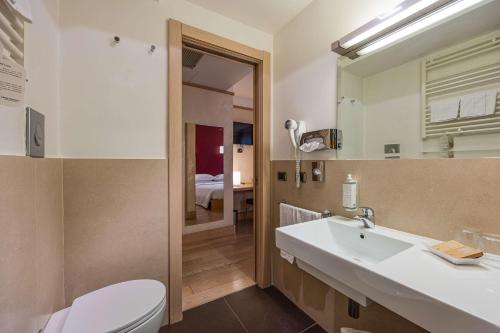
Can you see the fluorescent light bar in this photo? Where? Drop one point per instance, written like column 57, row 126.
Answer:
column 421, row 24
column 391, row 20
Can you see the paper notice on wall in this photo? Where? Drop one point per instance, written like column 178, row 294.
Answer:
column 12, row 82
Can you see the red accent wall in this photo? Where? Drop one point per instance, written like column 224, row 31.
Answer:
column 208, row 157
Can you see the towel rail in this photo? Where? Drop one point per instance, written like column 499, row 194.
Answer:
column 11, row 35
column 463, row 69
column 326, row 213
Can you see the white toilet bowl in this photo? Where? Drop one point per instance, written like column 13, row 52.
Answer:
column 128, row 307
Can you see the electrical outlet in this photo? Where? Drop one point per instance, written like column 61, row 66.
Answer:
column 282, row 176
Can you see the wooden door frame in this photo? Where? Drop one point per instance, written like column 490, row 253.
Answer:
column 179, row 33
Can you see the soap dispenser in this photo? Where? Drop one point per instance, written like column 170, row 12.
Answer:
column 350, row 194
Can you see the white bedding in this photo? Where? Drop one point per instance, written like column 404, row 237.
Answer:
column 206, row 191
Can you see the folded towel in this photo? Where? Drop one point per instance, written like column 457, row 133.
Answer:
column 292, row 215
column 473, row 105
column 287, row 256
column 312, row 146
column 491, row 102
column 444, row 110
column 479, row 104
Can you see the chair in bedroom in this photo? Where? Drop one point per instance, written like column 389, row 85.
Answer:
column 248, row 202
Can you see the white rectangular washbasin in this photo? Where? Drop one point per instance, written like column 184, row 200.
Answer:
column 349, row 241
column 396, row 269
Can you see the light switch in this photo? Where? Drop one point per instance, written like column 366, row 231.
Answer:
column 35, row 133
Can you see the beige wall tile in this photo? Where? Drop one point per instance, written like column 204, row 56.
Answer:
column 49, row 238
column 31, row 237
column 115, row 223
column 17, row 240
column 425, row 197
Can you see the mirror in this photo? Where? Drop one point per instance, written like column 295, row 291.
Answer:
column 432, row 95
column 204, row 149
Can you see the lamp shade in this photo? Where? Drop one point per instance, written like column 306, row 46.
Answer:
column 236, row 178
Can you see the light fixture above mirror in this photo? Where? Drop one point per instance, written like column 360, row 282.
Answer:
column 406, row 19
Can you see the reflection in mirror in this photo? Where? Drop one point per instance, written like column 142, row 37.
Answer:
column 431, row 95
column 204, row 174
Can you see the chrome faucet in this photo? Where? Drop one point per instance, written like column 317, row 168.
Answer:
column 368, row 217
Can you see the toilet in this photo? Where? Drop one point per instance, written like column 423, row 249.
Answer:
column 129, row 307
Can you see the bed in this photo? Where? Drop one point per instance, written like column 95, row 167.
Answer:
column 210, row 194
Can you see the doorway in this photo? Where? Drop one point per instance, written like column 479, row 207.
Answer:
column 254, row 227
column 218, row 244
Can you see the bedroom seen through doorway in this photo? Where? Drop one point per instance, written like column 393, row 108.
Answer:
column 218, row 248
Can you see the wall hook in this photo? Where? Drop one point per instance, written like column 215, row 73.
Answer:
column 116, row 41
column 152, row 49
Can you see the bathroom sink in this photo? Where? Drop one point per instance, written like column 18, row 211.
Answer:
column 333, row 250
column 349, row 240
column 396, row 270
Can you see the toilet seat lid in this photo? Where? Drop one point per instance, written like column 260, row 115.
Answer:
column 114, row 308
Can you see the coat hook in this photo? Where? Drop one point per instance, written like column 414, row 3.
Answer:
column 116, row 41
column 152, row 49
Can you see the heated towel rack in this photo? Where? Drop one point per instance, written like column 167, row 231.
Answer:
column 324, row 214
column 11, row 35
column 456, row 71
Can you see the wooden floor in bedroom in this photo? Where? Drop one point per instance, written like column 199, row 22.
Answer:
column 217, row 263
column 204, row 215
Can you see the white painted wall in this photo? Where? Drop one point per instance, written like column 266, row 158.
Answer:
column 243, row 91
column 305, row 68
column 243, row 116
column 42, row 90
column 114, row 99
column 392, row 111
column 243, row 162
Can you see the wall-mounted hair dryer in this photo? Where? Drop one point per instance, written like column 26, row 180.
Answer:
column 295, row 130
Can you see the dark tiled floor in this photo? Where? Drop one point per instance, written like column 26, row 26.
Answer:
column 252, row 310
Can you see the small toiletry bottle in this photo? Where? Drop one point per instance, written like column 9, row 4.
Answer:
column 350, row 194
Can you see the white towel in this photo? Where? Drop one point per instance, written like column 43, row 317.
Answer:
column 479, row 104
column 309, row 147
column 491, row 102
column 292, row 215
column 445, row 109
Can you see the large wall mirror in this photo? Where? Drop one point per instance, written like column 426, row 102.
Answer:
column 204, row 174
column 431, row 95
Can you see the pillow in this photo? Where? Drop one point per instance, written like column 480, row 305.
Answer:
column 201, row 178
column 219, row 178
